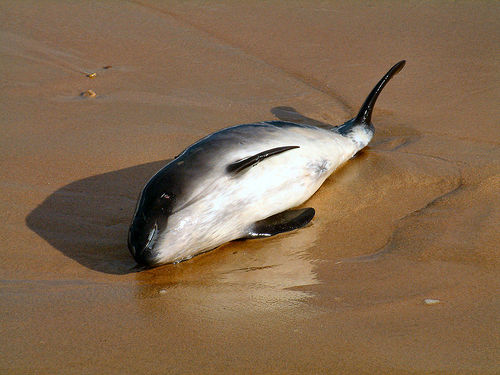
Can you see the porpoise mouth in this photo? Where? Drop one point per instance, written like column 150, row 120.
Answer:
column 153, row 235
column 145, row 254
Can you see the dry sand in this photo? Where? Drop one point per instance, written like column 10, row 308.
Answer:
column 414, row 217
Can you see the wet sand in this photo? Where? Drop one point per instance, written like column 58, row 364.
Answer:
column 413, row 218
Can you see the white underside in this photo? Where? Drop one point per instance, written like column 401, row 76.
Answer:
column 226, row 206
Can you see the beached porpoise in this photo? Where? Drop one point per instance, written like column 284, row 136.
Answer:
column 242, row 182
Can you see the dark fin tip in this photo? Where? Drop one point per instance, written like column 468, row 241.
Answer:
column 365, row 113
column 242, row 164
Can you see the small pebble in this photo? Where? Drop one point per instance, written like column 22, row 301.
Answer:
column 92, row 75
column 430, row 301
column 89, row 94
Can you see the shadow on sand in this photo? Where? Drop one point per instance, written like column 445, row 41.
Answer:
column 88, row 219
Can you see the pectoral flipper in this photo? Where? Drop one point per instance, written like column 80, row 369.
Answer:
column 250, row 161
column 283, row 222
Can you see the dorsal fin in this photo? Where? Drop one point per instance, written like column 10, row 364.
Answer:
column 242, row 164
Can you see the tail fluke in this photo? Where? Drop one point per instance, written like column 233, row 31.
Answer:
column 364, row 116
column 365, row 113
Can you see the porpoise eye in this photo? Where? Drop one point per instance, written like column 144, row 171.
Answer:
column 164, row 202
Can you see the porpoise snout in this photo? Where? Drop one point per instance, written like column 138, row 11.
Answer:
column 142, row 243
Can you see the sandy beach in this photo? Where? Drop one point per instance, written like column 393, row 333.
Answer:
column 398, row 273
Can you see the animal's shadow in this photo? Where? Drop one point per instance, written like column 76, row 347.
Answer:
column 291, row 114
column 87, row 220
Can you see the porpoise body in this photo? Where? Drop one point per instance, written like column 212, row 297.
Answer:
column 242, row 182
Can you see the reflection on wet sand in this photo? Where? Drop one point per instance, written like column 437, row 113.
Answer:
column 252, row 274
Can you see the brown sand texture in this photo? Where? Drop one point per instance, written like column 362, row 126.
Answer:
column 398, row 272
